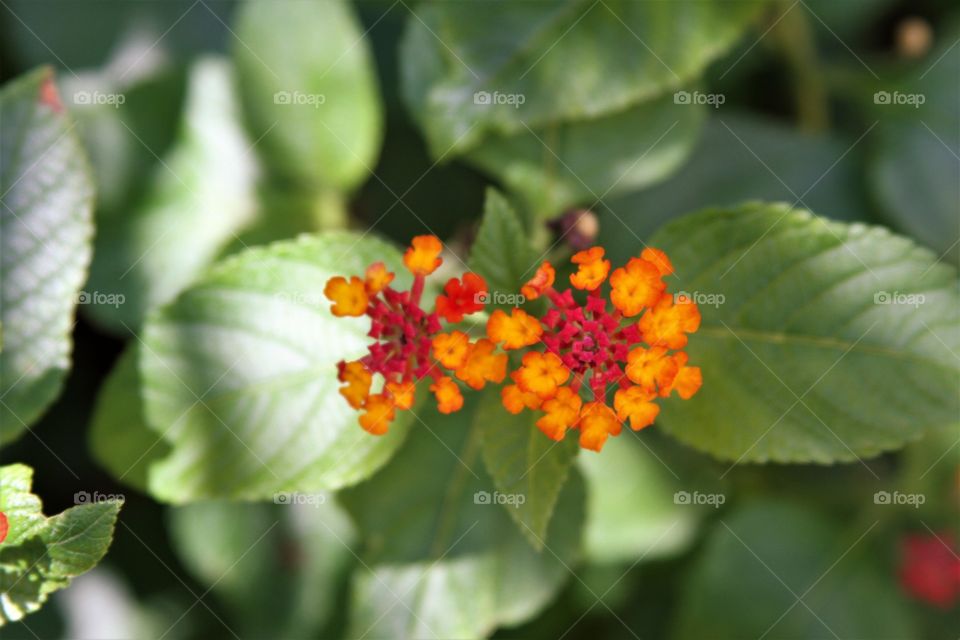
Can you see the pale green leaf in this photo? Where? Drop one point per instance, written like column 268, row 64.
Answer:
column 240, row 375
column 200, row 197
column 309, row 88
column 41, row 555
column 46, row 195
column 119, row 437
column 820, row 341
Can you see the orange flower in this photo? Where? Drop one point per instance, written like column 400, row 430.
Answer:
column 688, row 379
column 423, row 256
column 519, row 329
column 597, row 421
column 541, row 374
column 516, row 399
column 659, row 259
column 401, row 393
column 635, row 403
column 451, row 349
column 378, row 414
column 652, row 369
column 377, row 278
column 562, row 412
column 349, row 298
column 482, row 365
column 449, row 398
column 540, row 282
column 593, row 269
column 636, row 286
column 667, row 323
column 357, row 379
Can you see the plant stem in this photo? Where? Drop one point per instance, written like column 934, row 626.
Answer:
column 796, row 42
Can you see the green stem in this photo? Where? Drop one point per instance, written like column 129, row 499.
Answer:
column 796, row 42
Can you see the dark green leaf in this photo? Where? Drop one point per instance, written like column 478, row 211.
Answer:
column 781, row 571
column 522, row 461
column 443, row 560
column 822, row 341
column 501, row 252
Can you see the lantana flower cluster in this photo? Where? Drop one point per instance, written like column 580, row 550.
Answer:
column 599, row 348
column 409, row 342
column 592, row 362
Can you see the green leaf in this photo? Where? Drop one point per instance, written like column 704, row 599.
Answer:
column 240, row 376
column 442, row 560
column 570, row 60
column 200, row 197
column 45, row 235
column 524, row 462
column 737, row 159
column 309, row 89
column 585, row 161
column 540, row 94
column 41, row 555
column 756, row 565
column 119, row 437
column 913, row 171
column 300, row 549
column 501, row 252
column 822, row 341
column 632, row 511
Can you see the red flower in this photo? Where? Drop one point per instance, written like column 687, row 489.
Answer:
column 463, row 297
column 930, row 569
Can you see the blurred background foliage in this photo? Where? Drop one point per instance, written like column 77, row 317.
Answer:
column 196, row 165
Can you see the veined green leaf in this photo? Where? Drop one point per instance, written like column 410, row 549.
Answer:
column 201, row 196
column 46, row 193
column 41, row 555
column 501, row 252
column 240, row 376
column 820, row 341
